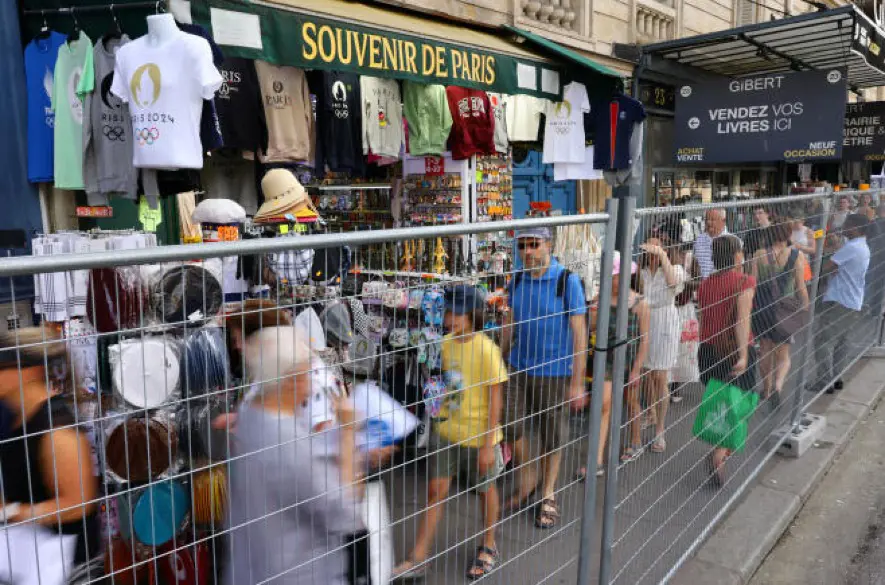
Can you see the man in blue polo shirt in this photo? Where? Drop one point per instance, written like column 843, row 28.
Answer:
column 545, row 341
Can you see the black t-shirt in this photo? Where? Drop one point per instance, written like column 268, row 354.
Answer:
column 339, row 122
column 239, row 106
column 210, row 132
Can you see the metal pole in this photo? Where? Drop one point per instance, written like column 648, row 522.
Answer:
column 161, row 5
column 625, row 232
column 808, row 342
column 588, row 517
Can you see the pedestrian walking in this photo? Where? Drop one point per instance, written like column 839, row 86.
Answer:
column 662, row 281
column 289, row 484
column 755, row 238
column 781, row 304
column 545, row 340
column 840, row 312
column 801, row 236
column 714, row 227
column 843, row 209
column 49, row 485
column 725, row 301
column 466, row 440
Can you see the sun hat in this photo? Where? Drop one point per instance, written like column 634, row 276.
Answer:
column 283, row 194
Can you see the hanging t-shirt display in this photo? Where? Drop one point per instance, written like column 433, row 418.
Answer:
column 473, row 127
column 498, row 110
column 523, row 116
column 288, row 112
column 339, row 122
column 68, row 109
column 40, row 57
column 382, row 116
column 240, row 107
column 613, row 125
column 165, row 86
column 564, row 132
column 210, row 129
column 427, row 111
column 107, row 131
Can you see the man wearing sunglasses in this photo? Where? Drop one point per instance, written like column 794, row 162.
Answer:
column 545, row 341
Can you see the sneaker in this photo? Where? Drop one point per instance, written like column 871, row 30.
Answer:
column 838, row 384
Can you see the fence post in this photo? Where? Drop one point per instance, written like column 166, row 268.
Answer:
column 588, row 516
column 808, row 342
column 625, row 231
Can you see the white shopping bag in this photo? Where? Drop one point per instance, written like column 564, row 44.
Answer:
column 686, row 369
column 31, row 547
column 376, row 519
column 385, row 421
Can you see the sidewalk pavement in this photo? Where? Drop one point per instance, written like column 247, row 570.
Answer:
column 741, row 542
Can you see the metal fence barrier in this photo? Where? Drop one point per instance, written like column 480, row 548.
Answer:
column 383, row 406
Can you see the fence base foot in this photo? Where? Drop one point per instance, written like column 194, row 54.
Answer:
column 875, row 352
column 794, row 441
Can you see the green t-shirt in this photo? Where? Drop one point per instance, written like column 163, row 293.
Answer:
column 73, row 59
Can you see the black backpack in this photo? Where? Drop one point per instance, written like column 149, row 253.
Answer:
column 561, row 283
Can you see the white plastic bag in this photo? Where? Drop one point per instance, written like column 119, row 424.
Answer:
column 686, row 369
column 386, row 420
column 376, row 520
column 30, row 546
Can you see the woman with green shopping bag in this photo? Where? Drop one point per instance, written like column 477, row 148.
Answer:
column 726, row 357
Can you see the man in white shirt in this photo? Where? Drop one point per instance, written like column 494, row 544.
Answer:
column 714, row 221
column 840, row 313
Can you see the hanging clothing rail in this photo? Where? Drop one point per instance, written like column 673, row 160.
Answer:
column 161, row 5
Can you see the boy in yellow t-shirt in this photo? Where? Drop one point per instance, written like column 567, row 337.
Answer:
column 467, row 434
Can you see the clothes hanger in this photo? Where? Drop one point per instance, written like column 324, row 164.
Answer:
column 44, row 30
column 116, row 31
column 75, row 34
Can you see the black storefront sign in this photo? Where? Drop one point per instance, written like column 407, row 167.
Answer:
column 868, row 42
column 864, row 132
column 778, row 117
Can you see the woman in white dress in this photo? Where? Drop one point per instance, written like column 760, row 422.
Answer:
column 801, row 237
column 662, row 280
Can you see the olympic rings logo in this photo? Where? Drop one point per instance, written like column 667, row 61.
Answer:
column 147, row 135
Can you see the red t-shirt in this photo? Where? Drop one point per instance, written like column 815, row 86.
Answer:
column 473, row 122
column 717, row 301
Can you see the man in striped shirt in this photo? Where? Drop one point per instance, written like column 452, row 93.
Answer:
column 714, row 221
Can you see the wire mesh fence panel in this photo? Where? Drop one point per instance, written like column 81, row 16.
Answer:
column 344, row 408
column 740, row 315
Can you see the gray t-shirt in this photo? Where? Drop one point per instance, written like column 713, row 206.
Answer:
column 107, row 131
column 288, row 507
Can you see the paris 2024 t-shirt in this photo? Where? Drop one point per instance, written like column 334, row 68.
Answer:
column 107, row 131
column 164, row 85
column 40, row 57
column 68, row 109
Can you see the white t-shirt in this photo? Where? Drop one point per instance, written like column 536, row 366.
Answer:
column 165, row 86
column 564, row 133
column 523, row 116
column 578, row 171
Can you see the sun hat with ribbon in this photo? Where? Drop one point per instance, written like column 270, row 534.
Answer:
column 283, row 194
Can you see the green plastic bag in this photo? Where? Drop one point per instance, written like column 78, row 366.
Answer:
column 723, row 415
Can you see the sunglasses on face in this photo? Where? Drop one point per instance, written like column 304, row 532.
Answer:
column 528, row 245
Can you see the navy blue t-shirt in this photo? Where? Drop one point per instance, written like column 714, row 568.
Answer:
column 40, row 56
column 613, row 123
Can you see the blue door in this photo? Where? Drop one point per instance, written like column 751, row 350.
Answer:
column 533, row 181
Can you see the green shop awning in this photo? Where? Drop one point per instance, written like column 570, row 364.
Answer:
column 370, row 40
column 565, row 53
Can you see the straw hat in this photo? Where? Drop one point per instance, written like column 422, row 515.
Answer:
column 282, row 194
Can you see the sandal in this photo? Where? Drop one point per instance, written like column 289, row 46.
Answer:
column 479, row 568
column 581, row 475
column 659, row 445
column 409, row 571
column 631, row 453
column 548, row 513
